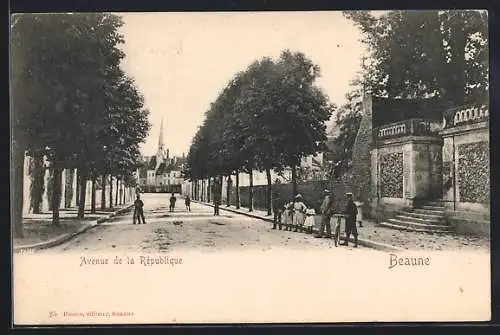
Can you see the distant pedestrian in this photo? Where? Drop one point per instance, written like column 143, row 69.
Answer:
column 139, row 210
column 173, row 199
column 326, row 214
column 299, row 215
column 217, row 198
column 187, row 201
column 277, row 211
column 351, row 211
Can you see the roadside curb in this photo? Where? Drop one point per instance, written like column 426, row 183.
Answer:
column 362, row 242
column 66, row 237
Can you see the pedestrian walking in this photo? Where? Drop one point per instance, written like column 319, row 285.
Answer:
column 351, row 211
column 309, row 222
column 299, row 209
column 326, row 214
column 173, row 199
column 187, row 202
column 217, row 198
column 138, row 210
column 277, row 211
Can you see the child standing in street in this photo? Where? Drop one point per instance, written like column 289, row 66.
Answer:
column 187, row 201
column 309, row 223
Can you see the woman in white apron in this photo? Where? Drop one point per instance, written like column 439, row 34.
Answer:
column 299, row 216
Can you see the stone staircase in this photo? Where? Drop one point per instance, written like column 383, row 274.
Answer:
column 428, row 218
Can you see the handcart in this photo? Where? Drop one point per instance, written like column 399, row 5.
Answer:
column 338, row 222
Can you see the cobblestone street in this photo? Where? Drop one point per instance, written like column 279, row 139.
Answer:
column 187, row 231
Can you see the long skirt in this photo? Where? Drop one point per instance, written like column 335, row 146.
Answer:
column 299, row 218
column 309, row 222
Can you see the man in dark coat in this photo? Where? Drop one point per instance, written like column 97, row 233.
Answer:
column 351, row 210
column 138, row 210
column 326, row 215
column 173, row 199
column 277, row 211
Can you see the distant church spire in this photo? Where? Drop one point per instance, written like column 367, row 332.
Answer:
column 160, row 138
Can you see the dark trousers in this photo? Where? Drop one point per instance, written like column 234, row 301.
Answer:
column 138, row 214
column 350, row 227
column 325, row 222
column 216, row 209
column 172, row 206
column 277, row 218
column 188, row 207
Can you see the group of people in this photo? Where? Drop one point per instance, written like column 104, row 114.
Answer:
column 297, row 217
column 139, row 206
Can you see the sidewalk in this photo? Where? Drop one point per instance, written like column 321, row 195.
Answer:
column 39, row 233
column 260, row 214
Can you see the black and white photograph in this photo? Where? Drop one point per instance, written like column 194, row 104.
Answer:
column 250, row 167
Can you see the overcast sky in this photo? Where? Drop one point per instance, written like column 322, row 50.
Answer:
column 181, row 61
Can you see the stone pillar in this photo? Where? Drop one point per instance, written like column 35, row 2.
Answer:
column 73, row 196
column 361, row 157
column 45, row 199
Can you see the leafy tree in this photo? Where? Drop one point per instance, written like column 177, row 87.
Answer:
column 418, row 54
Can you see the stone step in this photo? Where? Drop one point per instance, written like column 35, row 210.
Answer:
column 416, row 219
column 436, row 203
column 407, row 228
column 423, row 215
column 428, row 211
column 421, row 226
column 433, row 208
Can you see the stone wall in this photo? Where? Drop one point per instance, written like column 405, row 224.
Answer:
column 361, row 159
column 391, row 175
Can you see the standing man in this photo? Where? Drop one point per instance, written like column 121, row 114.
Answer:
column 351, row 210
column 326, row 214
column 216, row 196
column 187, row 201
column 172, row 202
column 277, row 210
column 139, row 210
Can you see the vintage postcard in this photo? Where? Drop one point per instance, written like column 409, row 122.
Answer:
column 250, row 167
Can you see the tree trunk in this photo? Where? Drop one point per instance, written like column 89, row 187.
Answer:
column 269, row 192
column 294, row 179
column 68, row 190
column 110, row 191
column 78, row 184
column 228, row 190
column 92, row 200
column 17, row 185
column 83, row 193
column 237, row 189
column 56, row 194
column 103, row 192
column 116, row 191
column 37, row 183
column 250, row 191
column 208, row 189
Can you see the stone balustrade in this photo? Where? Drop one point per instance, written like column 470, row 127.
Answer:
column 465, row 115
column 416, row 127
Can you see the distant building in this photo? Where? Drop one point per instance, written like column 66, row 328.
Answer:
column 161, row 173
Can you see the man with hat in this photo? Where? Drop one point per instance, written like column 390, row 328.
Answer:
column 326, row 214
column 351, row 210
